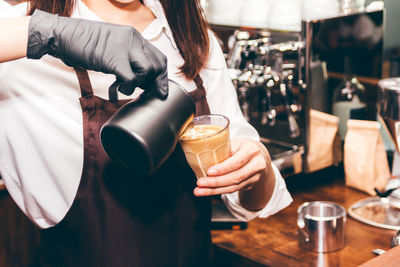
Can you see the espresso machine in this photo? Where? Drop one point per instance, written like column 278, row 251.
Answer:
column 281, row 75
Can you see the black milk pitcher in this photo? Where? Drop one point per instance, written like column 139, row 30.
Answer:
column 143, row 133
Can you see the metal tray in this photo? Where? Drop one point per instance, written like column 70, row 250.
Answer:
column 278, row 149
column 376, row 211
column 286, row 157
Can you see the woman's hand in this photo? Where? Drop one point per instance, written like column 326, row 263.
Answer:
column 247, row 170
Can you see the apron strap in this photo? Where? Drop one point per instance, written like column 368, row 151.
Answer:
column 84, row 82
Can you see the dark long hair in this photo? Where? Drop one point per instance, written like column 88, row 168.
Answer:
column 185, row 17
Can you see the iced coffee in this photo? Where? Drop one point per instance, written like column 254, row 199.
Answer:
column 206, row 142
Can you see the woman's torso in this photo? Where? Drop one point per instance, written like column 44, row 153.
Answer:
column 121, row 219
column 41, row 131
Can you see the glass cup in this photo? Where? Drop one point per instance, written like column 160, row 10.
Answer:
column 206, row 142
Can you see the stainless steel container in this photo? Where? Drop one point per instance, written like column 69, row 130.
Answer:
column 321, row 226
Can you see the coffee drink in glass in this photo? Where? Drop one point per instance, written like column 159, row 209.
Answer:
column 206, row 142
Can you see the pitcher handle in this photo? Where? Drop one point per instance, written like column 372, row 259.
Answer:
column 300, row 221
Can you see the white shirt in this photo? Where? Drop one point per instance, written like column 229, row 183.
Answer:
column 41, row 135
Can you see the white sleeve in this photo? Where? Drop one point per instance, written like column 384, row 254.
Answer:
column 9, row 11
column 279, row 200
column 5, row 9
column 222, row 99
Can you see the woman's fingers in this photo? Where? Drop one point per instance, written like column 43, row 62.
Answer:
column 239, row 180
column 208, row 191
column 241, row 155
column 233, row 178
column 239, row 172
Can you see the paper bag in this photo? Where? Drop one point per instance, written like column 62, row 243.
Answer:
column 365, row 161
column 322, row 146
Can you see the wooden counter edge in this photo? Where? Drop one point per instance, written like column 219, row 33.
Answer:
column 389, row 259
column 362, row 79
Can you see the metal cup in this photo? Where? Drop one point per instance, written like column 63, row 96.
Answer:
column 321, row 226
column 143, row 133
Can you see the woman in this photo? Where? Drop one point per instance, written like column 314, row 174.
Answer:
column 93, row 213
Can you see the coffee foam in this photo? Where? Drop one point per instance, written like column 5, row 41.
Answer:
column 200, row 131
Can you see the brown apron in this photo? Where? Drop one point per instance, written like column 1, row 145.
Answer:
column 118, row 219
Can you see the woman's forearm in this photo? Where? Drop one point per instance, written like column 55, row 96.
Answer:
column 259, row 195
column 14, row 38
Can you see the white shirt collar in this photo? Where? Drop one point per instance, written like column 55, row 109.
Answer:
column 158, row 10
column 159, row 25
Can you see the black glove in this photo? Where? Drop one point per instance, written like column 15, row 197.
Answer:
column 99, row 46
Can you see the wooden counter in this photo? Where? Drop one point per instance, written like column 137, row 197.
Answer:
column 273, row 241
